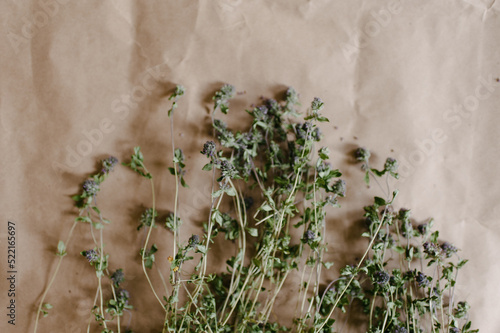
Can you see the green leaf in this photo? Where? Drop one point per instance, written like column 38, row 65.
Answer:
column 256, row 262
column 183, row 183
column 217, row 193
column 231, row 192
column 378, row 173
column 178, row 156
column 148, row 262
column 253, row 232
column 399, row 249
column 98, row 226
column 154, row 249
column 327, row 264
column 334, row 173
column 217, row 216
column 201, row 249
column 61, row 248
column 394, row 195
column 207, row 167
column 266, row 207
column 434, row 237
column 409, row 253
column 379, row 201
column 367, row 178
column 83, row 219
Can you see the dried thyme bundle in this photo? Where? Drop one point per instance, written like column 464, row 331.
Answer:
column 272, row 186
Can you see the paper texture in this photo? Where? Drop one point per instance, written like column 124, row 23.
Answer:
column 415, row 80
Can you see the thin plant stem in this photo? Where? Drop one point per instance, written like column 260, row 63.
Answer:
column 117, row 315
column 93, row 305
column 99, row 278
column 371, row 309
column 242, row 239
column 270, row 306
column 301, row 285
column 204, row 258
column 385, row 318
column 452, row 296
column 306, row 290
column 162, row 278
column 357, row 268
column 146, row 245
column 58, row 265
column 237, row 299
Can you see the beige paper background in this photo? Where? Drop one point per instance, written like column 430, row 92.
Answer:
column 416, row 80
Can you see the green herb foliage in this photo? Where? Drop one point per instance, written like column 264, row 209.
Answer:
column 273, row 187
column 406, row 282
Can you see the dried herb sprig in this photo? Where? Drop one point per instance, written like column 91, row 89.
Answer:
column 89, row 212
column 405, row 294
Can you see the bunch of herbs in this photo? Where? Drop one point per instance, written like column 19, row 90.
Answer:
column 272, row 186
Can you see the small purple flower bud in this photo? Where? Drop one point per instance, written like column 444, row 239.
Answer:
column 422, row 279
column 404, row 214
column 317, row 104
column 272, row 106
column 90, row 187
column 90, row 255
column 448, row 249
column 228, row 170
column 208, row 149
column 362, row 154
column 263, row 109
column 391, row 165
column 148, row 218
column 339, row 188
column 400, row 329
column 291, row 96
column 316, row 134
column 381, row 277
column 309, row 236
column 193, row 241
column 117, row 277
column 431, row 249
column 122, row 296
column 422, row 228
column 108, row 164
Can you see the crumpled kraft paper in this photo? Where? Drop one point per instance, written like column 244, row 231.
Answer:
column 415, row 80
